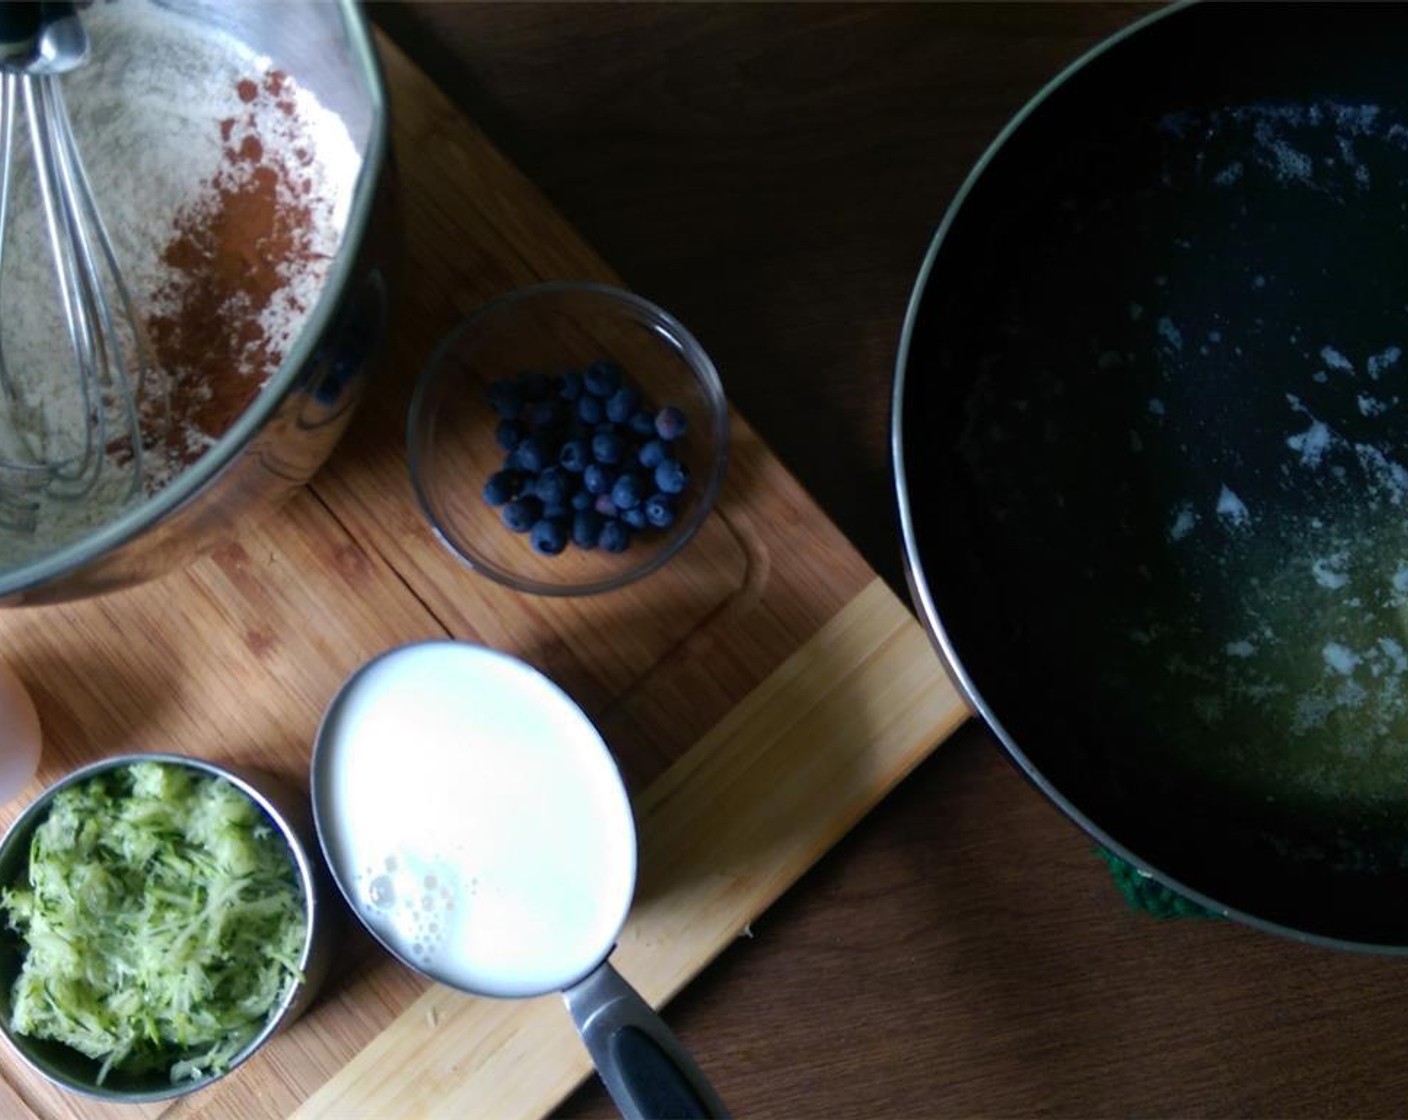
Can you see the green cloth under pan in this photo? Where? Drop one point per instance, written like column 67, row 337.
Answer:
column 1145, row 893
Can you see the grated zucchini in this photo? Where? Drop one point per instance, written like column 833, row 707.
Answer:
column 163, row 920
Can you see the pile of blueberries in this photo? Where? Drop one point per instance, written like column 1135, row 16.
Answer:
column 587, row 461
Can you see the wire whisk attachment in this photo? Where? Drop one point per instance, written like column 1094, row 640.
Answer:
column 103, row 452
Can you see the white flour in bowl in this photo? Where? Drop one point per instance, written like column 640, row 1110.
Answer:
column 225, row 188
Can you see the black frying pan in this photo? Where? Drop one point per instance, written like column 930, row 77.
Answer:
column 1152, row 459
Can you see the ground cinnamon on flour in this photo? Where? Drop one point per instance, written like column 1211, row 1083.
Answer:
column 233, row 262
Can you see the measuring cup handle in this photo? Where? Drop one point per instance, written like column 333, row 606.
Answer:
column 642, row 1064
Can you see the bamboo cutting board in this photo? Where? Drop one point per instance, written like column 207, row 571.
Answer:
column 762, row 692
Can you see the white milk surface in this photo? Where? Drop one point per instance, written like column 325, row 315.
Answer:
column 476, row 819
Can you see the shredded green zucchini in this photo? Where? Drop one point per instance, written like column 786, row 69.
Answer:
column 163, row 919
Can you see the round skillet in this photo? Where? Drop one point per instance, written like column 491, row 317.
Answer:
column 1150, row 455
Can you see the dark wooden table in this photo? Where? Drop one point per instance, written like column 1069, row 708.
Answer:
column 773, row 174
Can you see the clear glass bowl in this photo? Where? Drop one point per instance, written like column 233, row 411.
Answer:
column 551, row 329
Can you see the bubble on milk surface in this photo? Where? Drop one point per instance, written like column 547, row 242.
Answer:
column 381, row 892
column 409, row 902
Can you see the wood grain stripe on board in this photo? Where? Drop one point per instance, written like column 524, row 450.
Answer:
column 728, row 828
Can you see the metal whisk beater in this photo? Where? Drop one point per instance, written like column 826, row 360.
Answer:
column 39, row 42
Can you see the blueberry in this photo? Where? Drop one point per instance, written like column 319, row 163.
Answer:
column 590, row 409
column 534, row 385
column 602, row 378
column 550, row 487
column 615, row 537
column 508, row 433
column 622, row 404
column 608, row 447
column 671, row 476
column 669, row 423
column 520, row 514
column 502, row 486
column 507, row 399
column 586, row 461
column 629, row 491
column 549, row 536
column 546, row 414
column 575, row 455
column 569, row 385
column 530, row 455
column 586, row 528
column 652, row 453
column 660, row 510
column 599, row 478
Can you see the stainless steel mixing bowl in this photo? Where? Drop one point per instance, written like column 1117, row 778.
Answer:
column 291, row 427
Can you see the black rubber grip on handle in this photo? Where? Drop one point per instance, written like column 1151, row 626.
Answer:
column 660, row 1090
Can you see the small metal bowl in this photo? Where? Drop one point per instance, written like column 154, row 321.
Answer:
column 292, row 817
column 553, row 328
